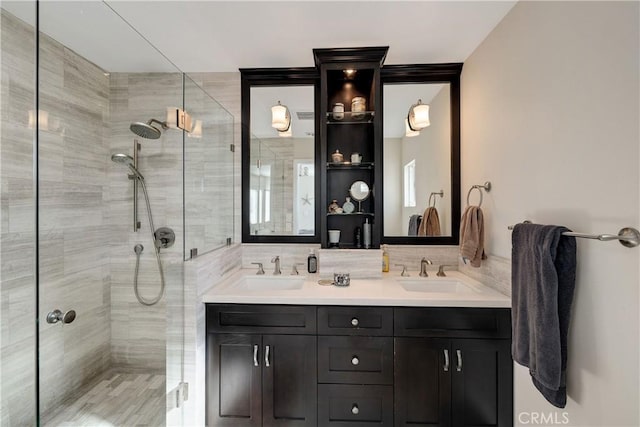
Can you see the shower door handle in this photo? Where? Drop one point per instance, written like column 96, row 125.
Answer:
column 56, row 316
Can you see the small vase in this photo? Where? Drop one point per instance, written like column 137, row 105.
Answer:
column 348, row 207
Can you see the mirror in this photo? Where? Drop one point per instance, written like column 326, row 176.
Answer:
column 279, row 166
column 359, row 191
column 421, row 166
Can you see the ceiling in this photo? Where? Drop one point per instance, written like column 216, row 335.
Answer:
column 222, row 36
column 226, row 35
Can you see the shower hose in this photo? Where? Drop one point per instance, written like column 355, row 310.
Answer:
column 138, row 250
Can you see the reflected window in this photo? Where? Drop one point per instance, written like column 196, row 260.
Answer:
column 410, row 184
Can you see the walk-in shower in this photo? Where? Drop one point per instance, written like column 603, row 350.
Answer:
column 128, row 161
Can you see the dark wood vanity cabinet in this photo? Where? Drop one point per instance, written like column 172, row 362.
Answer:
column 258, row 379
column 463, row 381
column 358, row 366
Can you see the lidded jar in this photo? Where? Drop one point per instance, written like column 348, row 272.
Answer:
column 358, row 107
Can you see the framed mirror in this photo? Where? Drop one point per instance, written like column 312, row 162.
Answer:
column 421, row 152
column 279, row 156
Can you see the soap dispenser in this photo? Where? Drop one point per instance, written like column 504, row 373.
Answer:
column 366, row 234
column 312, row 262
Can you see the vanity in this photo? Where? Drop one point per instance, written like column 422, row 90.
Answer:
column 326, row 160
column 284, row 350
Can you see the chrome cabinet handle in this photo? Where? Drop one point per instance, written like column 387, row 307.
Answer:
column 354, row 409
column 355, row 361
column 266, row 356
column 255, row 355
column 355, row 321
column 446, row 360
column 459, row 365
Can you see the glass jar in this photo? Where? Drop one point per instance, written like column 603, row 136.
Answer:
column 338, row 111
column 358, row 107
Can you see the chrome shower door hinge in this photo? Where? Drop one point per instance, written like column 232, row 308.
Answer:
column 182, row 394
column 232, row 148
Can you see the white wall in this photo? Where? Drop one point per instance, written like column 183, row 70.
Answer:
column 392, row 178
column 550, row 117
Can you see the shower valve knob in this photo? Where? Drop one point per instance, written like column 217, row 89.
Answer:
column 165, row 237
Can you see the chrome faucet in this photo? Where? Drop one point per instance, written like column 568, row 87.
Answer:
column 423, row 266
column 277, row 270
column 260, row 269
column 441, row 270
column 404, row 273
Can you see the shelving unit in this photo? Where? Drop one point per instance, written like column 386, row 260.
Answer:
column 353, row 132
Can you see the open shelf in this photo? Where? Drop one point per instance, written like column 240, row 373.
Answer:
column 349, row 165
column 351, row 118
column 352, row 214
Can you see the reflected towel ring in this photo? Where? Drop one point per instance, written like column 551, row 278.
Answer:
column 433, row 195
column 486, row 187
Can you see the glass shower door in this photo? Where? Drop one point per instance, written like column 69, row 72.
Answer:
column 107, row 349
column 18, row 275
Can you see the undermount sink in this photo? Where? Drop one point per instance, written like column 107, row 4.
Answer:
column 269, row 283
column 444, row 286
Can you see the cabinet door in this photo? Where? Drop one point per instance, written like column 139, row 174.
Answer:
column 422, row 382
column 289, row 393
column 482, row 377
column 233, row 380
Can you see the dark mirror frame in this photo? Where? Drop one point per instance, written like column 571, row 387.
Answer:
column 306, row 76
column 431, row 73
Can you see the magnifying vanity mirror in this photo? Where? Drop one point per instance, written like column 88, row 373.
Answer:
column 359, row 191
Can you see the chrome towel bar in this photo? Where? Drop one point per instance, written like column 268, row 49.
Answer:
column 627, row 236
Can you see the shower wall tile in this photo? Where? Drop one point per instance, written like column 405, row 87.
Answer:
column 139, row 333
column 200, row 275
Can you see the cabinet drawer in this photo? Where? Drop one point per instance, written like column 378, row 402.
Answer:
column 269, row 319
column 355, row 360
column 355, row 405
column 453, row 322
column 355, row 321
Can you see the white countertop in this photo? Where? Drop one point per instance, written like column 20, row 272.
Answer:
column 386, row 291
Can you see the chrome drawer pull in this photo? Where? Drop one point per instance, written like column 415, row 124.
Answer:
column 266, row 356
column 446, row 360
column 459, row 366
column 355, row 321
column 355, row 361
column 255, row 355
column 354, row 409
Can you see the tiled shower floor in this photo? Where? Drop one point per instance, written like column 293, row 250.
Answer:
column 114, row 399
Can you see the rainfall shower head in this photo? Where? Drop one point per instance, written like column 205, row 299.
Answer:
column 147, row 130
column 127, row 160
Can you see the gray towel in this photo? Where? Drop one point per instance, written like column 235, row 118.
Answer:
column 543, row 279
column 414, row 223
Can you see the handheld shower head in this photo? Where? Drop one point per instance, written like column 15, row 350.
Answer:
column 127, row 160
column 147, row 130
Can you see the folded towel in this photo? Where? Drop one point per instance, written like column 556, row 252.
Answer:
column 414, row 222
column 430, row 225
column 543, row 279
column 472, row 235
